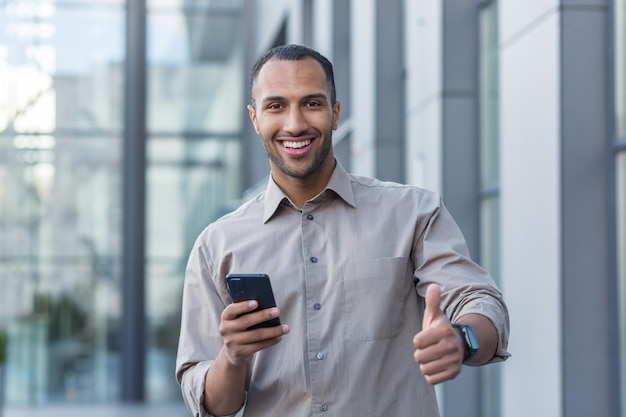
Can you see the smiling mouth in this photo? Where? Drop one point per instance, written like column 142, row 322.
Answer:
column 296, row 145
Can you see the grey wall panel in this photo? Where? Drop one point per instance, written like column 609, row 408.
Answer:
column 390, row 94
column 460, row 161
column 589, row 347
column 133, row 330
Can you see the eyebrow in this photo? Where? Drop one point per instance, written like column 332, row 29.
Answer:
column 307, row 97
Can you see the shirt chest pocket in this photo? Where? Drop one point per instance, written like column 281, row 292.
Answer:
column 375, row 294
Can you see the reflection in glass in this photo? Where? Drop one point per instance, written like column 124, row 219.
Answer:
column 489, row 178
column 490, row 235
column 489, row 96
column 60, row 101
column 194, row 115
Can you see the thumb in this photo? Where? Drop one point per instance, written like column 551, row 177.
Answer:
column 433, row 303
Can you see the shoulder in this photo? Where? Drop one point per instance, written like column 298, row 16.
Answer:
column 367, row 187
column 251, row 207
column 239, row 219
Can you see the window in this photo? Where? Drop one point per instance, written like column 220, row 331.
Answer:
column 62, row 89
column 489, row 137
column 489, row 177
column 195, row 108
column 61, row 78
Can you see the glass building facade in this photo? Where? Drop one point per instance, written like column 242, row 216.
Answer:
column 61, row 108
column 63, row 116
column 193, row 120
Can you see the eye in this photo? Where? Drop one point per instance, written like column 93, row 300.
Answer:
column 274, row 106
column 313, row 104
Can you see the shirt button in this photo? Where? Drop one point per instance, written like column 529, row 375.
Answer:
column 319, row 356
column 313, row 259
column 324, row 407
column 309, row 216
column 317, row 306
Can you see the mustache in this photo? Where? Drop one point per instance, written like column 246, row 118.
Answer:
column 301, row 135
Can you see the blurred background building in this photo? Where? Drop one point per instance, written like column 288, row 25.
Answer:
column 123, row 133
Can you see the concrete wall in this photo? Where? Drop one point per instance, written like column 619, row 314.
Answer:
column 530, row 195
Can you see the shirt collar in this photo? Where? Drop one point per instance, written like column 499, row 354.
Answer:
column 339, row 182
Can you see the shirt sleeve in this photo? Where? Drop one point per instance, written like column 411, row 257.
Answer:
column 199, row 341
column 441, row 257
column 192, row 387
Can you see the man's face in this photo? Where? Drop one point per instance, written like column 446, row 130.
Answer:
column 294, row 116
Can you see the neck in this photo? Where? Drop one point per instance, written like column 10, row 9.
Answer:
column 301, row 190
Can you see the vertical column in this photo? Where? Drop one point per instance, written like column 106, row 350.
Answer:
column 133, row 277
column 460, row 116
column 423, row 61
column 390, row 105
column 460, row 161
column 590, row 387
column 378, row 106
column 530, row 175
column 362, row 77
column 341, row 45
column 254, row 160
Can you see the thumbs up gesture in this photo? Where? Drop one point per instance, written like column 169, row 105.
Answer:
column 439, row 348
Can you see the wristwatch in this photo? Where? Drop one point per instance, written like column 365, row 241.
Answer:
column 469, row 340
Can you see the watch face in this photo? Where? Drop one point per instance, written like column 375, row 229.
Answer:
column 472, row 341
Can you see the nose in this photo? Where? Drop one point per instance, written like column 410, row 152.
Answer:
column 295, row 123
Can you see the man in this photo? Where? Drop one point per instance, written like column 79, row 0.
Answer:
column 368, row 277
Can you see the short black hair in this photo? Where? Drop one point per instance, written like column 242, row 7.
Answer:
column 294, row 53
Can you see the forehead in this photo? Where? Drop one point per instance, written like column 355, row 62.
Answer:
column 287, row 77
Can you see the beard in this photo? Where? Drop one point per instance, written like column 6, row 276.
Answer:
column 306, row 172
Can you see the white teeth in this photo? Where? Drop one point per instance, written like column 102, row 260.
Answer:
column 296, row 145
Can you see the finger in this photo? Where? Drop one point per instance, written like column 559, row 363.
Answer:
column 437, row 340
column 433, row 305
column 240, row 342
column 239, row 328
column 446, row 375
column 435, row 358
column 442, row 369
column 258, row 317
column 240, row 351
column 233, row 337
column 234, row 310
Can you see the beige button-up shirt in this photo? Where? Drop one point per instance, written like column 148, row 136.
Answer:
column 349, row 273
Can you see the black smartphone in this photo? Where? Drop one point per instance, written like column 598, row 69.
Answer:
column 242, row 287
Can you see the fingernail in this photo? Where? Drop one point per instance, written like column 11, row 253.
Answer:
column 252, row 303
column 274, row 312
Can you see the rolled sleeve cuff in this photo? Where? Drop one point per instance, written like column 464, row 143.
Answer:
column 500, row 322
column 192, row 387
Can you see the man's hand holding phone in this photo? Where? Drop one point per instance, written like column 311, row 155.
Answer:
column 248, row 325
column 240, row 341
column 251, row 323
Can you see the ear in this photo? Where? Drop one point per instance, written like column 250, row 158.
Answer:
column 252, row 114
column 336, row 111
